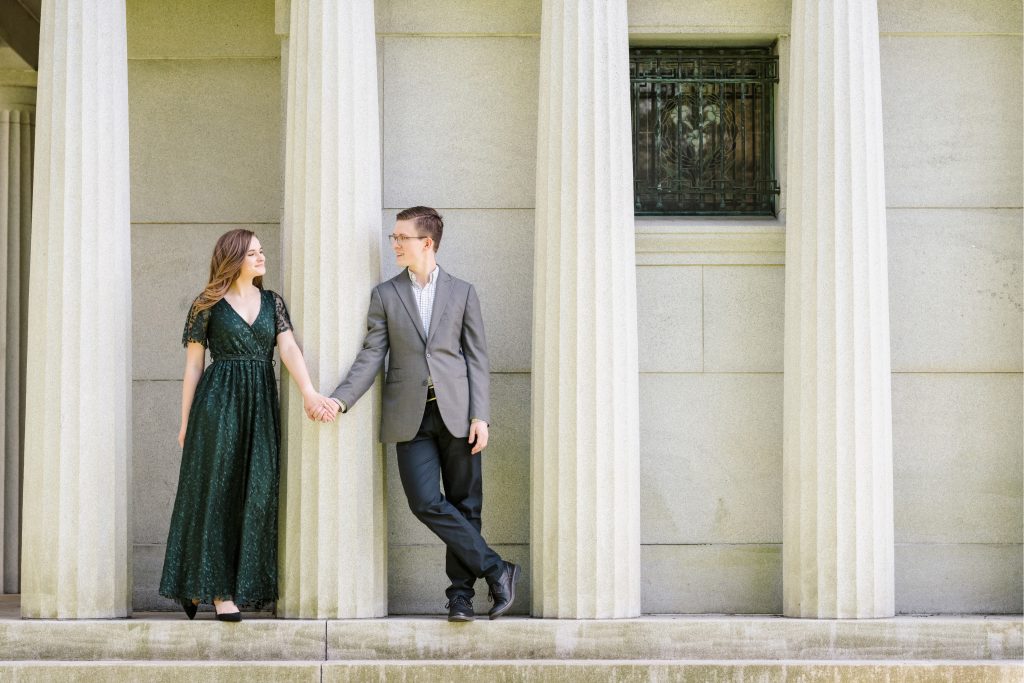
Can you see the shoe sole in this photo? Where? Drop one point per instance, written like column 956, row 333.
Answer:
column 511, row 598
column 460, row 618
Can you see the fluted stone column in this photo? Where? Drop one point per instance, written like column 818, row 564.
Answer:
column 75, row 561
column 334, row 536
column 17, row 131
column 584, row 483
column 838, row 498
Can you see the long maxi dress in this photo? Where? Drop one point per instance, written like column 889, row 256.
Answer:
column 222, row 541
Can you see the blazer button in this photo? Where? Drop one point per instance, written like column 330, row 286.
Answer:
column 428, row 355
column 424, row 382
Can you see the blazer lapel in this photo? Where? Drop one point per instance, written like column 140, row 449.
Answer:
column 441, row 296
column 403, row 287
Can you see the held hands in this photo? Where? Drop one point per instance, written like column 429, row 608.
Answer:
column 319, row 408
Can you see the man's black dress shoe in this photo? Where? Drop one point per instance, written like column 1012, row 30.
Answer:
column 189, row 607
column 460, row 609
column 503, row 590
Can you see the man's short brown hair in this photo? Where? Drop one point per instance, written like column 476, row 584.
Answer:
column 428, row 222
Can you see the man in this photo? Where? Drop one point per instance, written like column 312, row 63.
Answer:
column 436, row 404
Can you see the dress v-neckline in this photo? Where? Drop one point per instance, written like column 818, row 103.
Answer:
column 240, row 316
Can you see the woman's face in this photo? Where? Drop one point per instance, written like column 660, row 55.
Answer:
column 255, row 263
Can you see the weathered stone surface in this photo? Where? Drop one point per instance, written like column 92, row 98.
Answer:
column 457, row 671
column 711, row 458
column 712, row 579
column 938, row 152
column 456, row 16
column 167, row 637
column 949, row 16
column 454, row 135
column 159, row 672
column 195, row 29
column 743, row 318
column 709, row 16
column 955, row 289
column 205, row 136
column 963, row 578
column 669, row 324
column 682, row 638
column 957, row 458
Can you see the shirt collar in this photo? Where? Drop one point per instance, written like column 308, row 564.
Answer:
column 431, row 280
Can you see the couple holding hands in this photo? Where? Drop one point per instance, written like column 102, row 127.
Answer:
column 222, row 543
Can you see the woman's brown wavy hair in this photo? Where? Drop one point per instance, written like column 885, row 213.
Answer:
column 225, row 266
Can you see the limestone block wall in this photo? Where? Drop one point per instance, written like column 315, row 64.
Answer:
column 205, row 123
column 711, row 326
column 951, row 93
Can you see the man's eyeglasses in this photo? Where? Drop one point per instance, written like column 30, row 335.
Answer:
column 400, row 239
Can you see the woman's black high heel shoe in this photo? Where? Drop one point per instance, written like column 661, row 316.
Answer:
column 190, row 608
column 229, row 616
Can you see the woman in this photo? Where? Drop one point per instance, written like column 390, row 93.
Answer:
column 222, row 544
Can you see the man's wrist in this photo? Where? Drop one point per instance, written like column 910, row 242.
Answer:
column 476, row 419
column 341, row 404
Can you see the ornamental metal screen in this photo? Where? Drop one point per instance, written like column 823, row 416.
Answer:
column 703, row 131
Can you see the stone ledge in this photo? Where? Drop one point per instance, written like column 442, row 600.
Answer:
column 771, row 638
column 690, row 240
column 457, row 671
column 172, row 637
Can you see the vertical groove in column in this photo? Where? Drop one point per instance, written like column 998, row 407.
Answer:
column 838, row 525
column 585, row 526
column 17, row 131
column 75, row 555
column 333, row 531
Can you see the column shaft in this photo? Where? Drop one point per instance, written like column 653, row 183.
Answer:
column 75, row 561
column 838, row 517
column 17, row 131
column 585, row 509
column 334, row 536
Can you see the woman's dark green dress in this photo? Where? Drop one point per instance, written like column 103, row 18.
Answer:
column 223, row 537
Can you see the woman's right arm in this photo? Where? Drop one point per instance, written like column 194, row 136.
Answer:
column 195, row 361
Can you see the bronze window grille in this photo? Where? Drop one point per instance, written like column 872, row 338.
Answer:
column 703, row 131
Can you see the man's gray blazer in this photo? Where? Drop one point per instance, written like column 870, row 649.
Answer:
column 453, row 354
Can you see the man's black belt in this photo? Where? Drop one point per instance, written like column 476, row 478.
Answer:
column 431, row 396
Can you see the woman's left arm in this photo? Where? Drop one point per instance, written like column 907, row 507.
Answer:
column 291, row 356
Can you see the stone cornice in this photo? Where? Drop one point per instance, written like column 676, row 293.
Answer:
column 696, row 240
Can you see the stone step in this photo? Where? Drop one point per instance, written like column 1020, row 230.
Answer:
column 459, row 671
column 172, row 637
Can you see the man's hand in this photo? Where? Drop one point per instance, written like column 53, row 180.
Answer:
column 478, row 436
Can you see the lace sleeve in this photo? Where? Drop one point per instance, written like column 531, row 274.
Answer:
column 195, row 326
column 282, row 322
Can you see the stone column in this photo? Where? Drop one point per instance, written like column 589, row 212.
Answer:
column 334, row 535
column 17, row 130
column 584, row 482
column 837, row 446
column 75, row 561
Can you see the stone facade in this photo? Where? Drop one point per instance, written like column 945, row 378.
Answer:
column 458, row 91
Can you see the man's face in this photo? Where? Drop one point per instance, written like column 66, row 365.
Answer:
column 409, row 248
